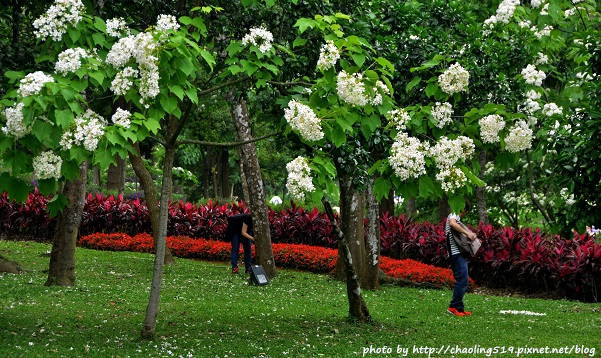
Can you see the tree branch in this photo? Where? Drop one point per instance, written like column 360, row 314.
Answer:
column 227, row 144
column 530, row 187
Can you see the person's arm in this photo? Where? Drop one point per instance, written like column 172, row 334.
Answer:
column 245, row 232
column 459, row 228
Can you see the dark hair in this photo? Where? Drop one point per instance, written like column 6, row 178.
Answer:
column 468, row 206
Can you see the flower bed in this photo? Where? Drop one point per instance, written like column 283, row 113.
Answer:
column 297, row 256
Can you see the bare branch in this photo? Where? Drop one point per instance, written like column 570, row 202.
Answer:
column 227, row 144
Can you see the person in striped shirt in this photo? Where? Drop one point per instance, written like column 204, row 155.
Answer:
column 458, row 262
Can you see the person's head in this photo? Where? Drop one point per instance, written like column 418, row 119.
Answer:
column 465, row 209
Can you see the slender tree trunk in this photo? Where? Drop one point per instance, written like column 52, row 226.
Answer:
column 548, row 217
column 387, row 204
column 258, row 203
column 224, row 173
column 152, row 311
column 62, row 257
column 116, row 175
column 372, row 273
column 150, row 195
column 243, row 180
column 357, row 306
column 351, row 223
column 96, row 177
column 443, row 208
column 411, row 207
column 480, row 191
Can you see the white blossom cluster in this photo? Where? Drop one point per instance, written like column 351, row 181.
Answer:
column 351, row 88
column 532, row 76
column 122, row 117
column 399, row 117
column 56, row 19
column 447, row 152
column 519, row 137
column 47, row 165
column 70, row 60
column 259, row 36
column 379, row 89
column 567, row 196
column 442, row 112
column 123, row 81
column 551, row 109
column 33, row 83
column 302, row 119
column 166, row 23
column 536, row 3
column 299, row 180
column 545, row 10
column 490, row 126
column 525, row 24
column 531, row 104
column 87, row 130
column 454, row 80
column 546, row 31
column 408, row 156
column 451, row 178
column 14, row 122
column 542, row 59
column 142, row 48
column 328, row 56
column 114, row 27
column 504, row 14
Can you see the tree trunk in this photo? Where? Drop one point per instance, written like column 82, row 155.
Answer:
column 96, row 177
column 372, row 273
column 258, row 203
column 150, row 195
column 411, row 207
column 224, row 173
column 152, row 311
column 351, row 222
column 116, row 175
column 387, row 204
column 480, row 191
column 444, row 209
column 243, row 181
column 62, row 257
column 357, row 306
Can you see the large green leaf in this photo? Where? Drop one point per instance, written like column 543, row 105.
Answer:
column 426, row 186
column 56, row 205
column 17, row 189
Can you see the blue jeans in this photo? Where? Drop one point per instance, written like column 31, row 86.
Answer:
column 460, row 272
column 246, row 244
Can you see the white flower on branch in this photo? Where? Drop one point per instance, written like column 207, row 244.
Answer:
column 47, row 165
column 32, row 83
column 299, row 180
column 454, row 80
column 302, row 119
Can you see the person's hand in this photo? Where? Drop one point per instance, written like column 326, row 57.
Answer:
column 474, row 236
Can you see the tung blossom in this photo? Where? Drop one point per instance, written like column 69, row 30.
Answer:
column 259, row 36
column 328, row 56
column 490, row 126
column 14, row 122
column 47, row 165
column 454, row 80
column 299, row 180
column 56, row 19
column 519, row 137
column 33, row 83
column 408, row 157
column 302, row 119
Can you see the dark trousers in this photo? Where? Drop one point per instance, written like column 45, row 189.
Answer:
column 460, row 272
column 246, row 244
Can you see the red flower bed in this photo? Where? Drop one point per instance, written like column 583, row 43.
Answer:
column 297, row 256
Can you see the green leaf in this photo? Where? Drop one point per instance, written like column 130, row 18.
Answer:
column 104, row 158
column 64, row 118
column 338, row 136
column 74, row 35
column 41, row 129
column 382, row 188
column 457, row 203
column 152, row 125
column 17, row 189
column 178, row 91
column 99, row 39
column 299, row 42
column 56, row 205
column 185, row 20
column 16, row 161
column 414, row 82
column 98, row 76
column 68, row 94
column 431, row 89
column 47, row 186
column 358, row 58
column 385, row 63
column 208, row 57
column 471, row 176
column 302, row 24
column 192, row 94
column 200, row 24
column 426, row 186
column 169, row 104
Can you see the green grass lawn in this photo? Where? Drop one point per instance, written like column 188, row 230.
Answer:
column 207, row 312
